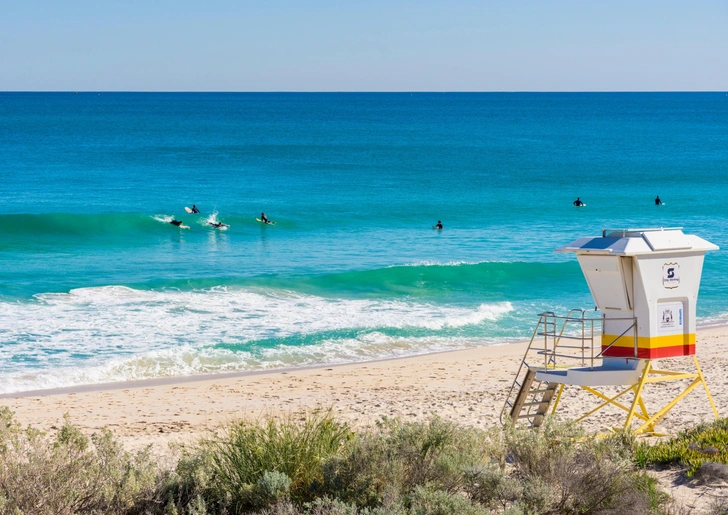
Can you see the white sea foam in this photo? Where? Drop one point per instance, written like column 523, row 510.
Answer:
column 439, row 263
column 112, row 333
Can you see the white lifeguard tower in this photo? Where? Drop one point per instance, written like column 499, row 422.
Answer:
column 645, row 283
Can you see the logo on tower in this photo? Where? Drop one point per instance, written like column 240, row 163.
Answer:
column 671, row 275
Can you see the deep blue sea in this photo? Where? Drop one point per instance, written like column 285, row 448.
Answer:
column 96, row 286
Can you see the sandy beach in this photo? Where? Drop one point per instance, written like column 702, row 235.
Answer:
column 466, row 386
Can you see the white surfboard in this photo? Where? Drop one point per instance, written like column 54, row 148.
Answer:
column 189, row 211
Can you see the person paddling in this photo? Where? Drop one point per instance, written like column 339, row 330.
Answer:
column 177, row 223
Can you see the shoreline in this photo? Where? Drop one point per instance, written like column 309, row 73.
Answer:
column 717, row 325
column 164, row 381
column 168, row 380
column 466, row 386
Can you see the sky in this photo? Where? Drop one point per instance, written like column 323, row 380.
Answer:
column 370, row 45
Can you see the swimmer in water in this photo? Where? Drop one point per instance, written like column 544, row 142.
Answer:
column 578, row 202
column 438, row 225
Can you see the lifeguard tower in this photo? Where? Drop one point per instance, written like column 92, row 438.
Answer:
column 645, row 283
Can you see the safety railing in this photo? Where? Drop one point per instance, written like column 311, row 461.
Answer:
column 565, row 342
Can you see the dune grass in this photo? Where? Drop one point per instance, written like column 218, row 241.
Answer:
column 317, row 465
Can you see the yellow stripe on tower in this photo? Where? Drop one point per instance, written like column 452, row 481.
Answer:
column 649, row 342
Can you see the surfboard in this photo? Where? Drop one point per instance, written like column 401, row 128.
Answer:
column 189, row 211
column 184, row 226
column 266, row 223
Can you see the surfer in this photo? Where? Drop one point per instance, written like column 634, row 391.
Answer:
column 264, row 219
column 578, row 202
column 438, row 225
column 194, row 209
column 176, row 222
column 658, row 202
column 218, row 225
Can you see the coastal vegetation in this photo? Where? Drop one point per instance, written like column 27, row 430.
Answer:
column 317, row 465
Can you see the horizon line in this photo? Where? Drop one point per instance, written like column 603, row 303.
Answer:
column 79, row 91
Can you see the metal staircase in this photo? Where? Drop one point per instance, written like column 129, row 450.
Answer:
column 533, row 402
column 528, row 399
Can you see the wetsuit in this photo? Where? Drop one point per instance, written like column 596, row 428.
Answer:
column 176, row 222
column 439, row 225
column 194, row 209
column 578, row 203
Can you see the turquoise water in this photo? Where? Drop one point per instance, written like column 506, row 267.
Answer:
column 96, row 286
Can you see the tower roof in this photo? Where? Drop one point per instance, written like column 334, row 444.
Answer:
column 636, row 242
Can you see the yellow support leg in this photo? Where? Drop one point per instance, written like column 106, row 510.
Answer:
column 637, row 395
column 607, row 401
column 705, row 385
column 558, row 398
column 638, row 408
column 646, row 414
column 657, row 416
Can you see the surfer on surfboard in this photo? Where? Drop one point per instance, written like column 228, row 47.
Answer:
column 218, row 225
column 178, row 224
column 438, row 225
column 194, row 209
column 578, row 202
column 658, row 202
column 264, row 219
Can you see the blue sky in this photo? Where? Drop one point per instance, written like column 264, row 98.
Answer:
column 373, row 45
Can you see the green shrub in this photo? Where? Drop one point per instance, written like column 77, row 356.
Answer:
column 691, row 448
column 492, row 487
column 426, row 501
column 560, row 471
column 71, row 473
column 385, row 465
column 253, row 465
column 273, row 487
column 317, row 466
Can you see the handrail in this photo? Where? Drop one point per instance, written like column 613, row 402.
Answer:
column 547, row 328
column 520, row 367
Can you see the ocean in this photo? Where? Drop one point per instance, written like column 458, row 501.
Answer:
column 96, row 286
